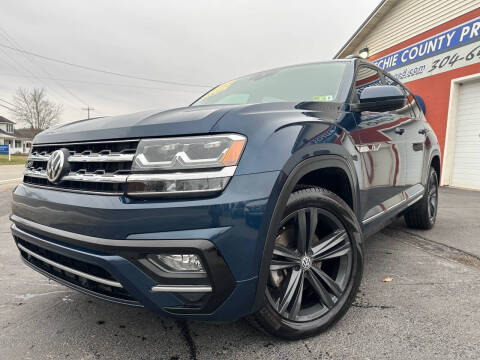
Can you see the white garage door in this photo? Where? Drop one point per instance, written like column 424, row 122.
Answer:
column 466, row 166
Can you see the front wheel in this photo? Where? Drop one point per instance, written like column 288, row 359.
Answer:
column 316, row 266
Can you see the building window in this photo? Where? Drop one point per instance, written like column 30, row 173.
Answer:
column 18, row 143
column 10, row 128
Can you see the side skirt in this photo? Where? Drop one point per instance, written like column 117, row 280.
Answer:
column 383, row 214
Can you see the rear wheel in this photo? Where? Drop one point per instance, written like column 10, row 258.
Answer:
column 423, row 214
column 316, row 266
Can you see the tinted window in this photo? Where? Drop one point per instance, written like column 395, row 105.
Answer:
column 312, row 82
column 366, row 77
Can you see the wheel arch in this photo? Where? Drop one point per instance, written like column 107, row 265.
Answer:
column 287, row 186
column 330, row 178
column 435, row 162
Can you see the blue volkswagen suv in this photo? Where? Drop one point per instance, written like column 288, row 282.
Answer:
column 253, row 201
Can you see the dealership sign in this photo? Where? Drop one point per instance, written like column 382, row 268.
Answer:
column 4, row 149
column 451, row 49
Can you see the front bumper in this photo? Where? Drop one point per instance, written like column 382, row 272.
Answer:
column 111, row 236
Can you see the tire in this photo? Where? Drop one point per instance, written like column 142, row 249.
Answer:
column 423, row 214
column 316, row 266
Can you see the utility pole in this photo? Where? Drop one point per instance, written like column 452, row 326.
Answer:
column 88, row 108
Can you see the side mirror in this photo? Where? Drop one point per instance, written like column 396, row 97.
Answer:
column 380, row 98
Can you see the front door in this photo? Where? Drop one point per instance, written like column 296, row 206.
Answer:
column 380, row 142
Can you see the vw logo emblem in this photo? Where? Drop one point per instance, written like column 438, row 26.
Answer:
column 58, row 165
column 306, row 262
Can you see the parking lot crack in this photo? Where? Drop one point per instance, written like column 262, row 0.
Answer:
column 433, row 283
column 307, row 347
column 185, row 330
column 368, row 306
column 441, row 250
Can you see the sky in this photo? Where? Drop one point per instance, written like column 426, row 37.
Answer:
column 201, row 43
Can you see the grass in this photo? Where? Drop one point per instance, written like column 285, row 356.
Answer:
column 16, row 160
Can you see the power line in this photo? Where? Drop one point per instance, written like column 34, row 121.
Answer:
column 12, row 65
column 103, row 71
column 6, row 107
column 88, row 109
column 17, row 46
column 19, row 64
column 106, row 83
column 9, row 103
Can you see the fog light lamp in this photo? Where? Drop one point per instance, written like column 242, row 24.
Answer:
column 178, row 262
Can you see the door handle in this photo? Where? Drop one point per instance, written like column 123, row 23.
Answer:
column 422, row 131
column 399, row 130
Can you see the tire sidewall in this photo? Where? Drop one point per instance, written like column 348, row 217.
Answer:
column 427, row 199
column 327, row 201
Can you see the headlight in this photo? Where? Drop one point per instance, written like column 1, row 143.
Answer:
column 184, row 153
column 185, row 165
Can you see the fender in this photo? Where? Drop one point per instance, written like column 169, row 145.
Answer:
column 434, row 153
column 433, row 149
column 287, row 184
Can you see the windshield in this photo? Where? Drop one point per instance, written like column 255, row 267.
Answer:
column 312, row 82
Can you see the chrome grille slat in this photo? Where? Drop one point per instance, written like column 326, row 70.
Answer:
column 95, row 167
column 69, row 269
column 35, row 173
column 96, row 178
column 88, row 158
column 101, row 158
column 38, row 157
column 87, row 177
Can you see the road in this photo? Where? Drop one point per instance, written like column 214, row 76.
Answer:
column 10, row 173
column 431, row 309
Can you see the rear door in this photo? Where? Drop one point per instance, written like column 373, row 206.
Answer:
column 382, row 151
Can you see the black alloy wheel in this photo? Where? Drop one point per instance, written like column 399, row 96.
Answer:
column 423, row 214
column 432, row 197
column 316, row 265
column 311, row 264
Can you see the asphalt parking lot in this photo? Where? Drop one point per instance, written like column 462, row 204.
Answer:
column 431, row 308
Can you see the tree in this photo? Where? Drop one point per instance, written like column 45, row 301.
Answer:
column 34, row 109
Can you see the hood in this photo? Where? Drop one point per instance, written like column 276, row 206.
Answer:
column 181, row 121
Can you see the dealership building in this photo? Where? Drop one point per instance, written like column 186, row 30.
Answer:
column 433, row 47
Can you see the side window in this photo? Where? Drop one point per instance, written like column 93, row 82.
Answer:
column 410, row 106
column 366, row 77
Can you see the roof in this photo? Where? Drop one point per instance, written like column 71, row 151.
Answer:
column 20, row 134
column 367, row 26
column 4, row 120
column 4, row 134
column 25, row 133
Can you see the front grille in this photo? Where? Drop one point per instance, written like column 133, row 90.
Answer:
column 99, row 167
column 98, row 287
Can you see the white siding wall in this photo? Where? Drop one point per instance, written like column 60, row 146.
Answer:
column 466, row 169
column 408, row 18
column 17, row 146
